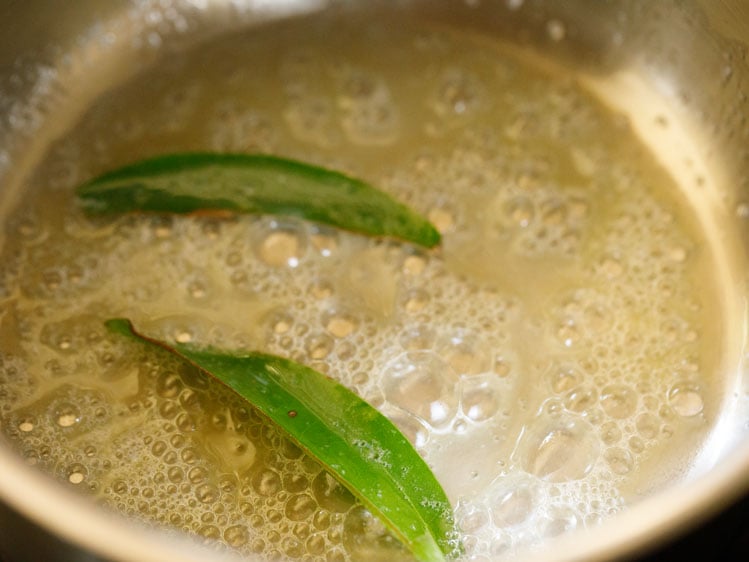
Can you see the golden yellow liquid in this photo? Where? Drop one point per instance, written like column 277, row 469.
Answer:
column 562, row 338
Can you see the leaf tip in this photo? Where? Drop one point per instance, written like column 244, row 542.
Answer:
column 433, row 237
column 121, row 326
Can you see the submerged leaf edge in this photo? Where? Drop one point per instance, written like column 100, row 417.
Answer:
column 440, row 541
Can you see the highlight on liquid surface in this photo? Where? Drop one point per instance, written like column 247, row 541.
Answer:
column 561, row 339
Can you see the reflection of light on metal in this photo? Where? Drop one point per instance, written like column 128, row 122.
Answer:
column 277, row 7
column 737, row 404
column 651, row 106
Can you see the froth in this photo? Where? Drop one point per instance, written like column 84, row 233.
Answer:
column 536, row 360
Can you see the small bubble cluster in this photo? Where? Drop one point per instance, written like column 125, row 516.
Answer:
column 537, row 360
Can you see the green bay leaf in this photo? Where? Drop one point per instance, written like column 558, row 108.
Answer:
column 252, row 183
column 355, row 442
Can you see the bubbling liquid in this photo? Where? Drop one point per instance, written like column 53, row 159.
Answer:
column 563, row 336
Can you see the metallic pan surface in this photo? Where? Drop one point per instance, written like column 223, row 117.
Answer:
column 685, row 60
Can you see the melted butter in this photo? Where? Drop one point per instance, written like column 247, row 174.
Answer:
column 563, row 337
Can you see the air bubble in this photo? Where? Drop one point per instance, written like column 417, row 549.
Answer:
column 553, row 214
column 315, row 545
column 186, row 424
column 459, row 93
column 502, row 367
column 363, row 533
column 321, row 290
column 610, row 433
column 311, row 119
column 512, row 506
column 295, row 483
column 282, row 323
column 417, row 339
column 29, row 228
column 370, row 115
column 480, row 398
column 67, row 415
column 169, row 385
column 564, row 380
column 619, row 460
column 236, row 536
column 581, row 399
column 209, row 532
column 162, row 227
column 168, row 409
column 322, row 520
column 520, row 212
column 175, row 474
column 466, row 354
column 183, row 336
column 52, row 280
column 618, row 401
column 471, row 518
column 292, row 547
column 283, row 245
column 559, row 520
column 647, row 425
column 416, row 300
column 158, row 448
column 197, row 290
column 340, row 325
column 325, row 242
column 568, row 333
column 300, row 507
column 76, row 477
column 686, row 399
column 266, row 482
column 559, row 449
column 611, row 268
column 414, row 265
column 411, row 428
column 636, row 445
column 196, row 474
column 206, row 493
column 556, row 30
column 235, row 129
column 319, row 346
column 419, row 383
